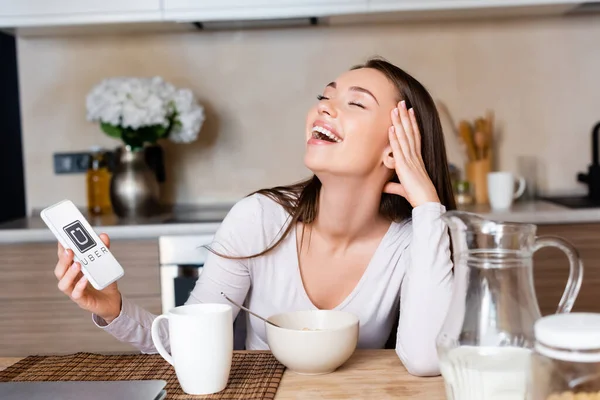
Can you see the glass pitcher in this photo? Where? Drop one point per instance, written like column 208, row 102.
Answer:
column 486, row 339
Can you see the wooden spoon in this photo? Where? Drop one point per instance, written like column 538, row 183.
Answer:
column 465, row 131
column 480, row 140
column 489, row 119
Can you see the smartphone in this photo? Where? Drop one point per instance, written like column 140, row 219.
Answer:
column 74, row 232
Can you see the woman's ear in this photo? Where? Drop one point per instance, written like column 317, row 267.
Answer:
column 388, row 158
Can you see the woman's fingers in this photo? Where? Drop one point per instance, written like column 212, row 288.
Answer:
column 403, row 125
column 415, row 131
column 105, row 239
column 399, row 156
column 65, row 284
column 65, row 260
column 405, row 122
column 79, row 288
column 395, row 188
column 400, row 135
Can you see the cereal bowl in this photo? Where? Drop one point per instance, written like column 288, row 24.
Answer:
column 313, row 342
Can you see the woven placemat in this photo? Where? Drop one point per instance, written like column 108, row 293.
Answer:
column 254, row 375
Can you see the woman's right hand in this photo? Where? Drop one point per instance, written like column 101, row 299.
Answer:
column 105, row 303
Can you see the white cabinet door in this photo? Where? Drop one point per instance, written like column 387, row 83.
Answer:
column 416, row 5
column 207, row 10
column 15, row 13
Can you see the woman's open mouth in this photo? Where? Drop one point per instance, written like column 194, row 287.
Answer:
column 321, row 133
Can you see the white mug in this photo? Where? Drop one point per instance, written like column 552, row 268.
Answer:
column 201, row 339
column 501, row 189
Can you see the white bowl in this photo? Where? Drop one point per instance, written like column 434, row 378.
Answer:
column 329, row 343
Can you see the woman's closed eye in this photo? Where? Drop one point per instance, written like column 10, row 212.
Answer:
column 354, row 103
column 351, row 103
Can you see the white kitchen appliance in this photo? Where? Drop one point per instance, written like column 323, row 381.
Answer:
column 181, row 262
column 182, row 259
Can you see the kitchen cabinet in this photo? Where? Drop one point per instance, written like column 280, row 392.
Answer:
column 357, row 10
column 551, row 267
column 194, row 10
column 36, row 318
column 27, row 15
column 389, row 5
column 415, row 10
column 16, row 13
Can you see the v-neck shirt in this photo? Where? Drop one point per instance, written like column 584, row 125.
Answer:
column 407, row 281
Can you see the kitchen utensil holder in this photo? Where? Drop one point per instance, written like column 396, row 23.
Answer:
column 477, row 175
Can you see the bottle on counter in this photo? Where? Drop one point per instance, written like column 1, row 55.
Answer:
column 566, row 362
column 463, row 194
column 98, row 183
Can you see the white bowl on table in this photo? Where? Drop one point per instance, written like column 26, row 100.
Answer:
column 313, row 342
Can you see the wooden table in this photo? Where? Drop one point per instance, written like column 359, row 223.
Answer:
column 369, row 374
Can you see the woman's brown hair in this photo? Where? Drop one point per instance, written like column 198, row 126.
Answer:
column 301, row 200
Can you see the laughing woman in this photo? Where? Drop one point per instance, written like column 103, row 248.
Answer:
column 362, row 235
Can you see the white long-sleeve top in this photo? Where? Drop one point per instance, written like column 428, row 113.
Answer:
column 410, row 272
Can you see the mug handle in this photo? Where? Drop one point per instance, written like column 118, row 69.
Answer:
column 520, row 189
column 156, row 339
column 575, row 272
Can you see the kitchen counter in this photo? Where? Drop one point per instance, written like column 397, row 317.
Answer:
column 538, row 212
column 369, row 374
column 182, row 220
column 194, row 220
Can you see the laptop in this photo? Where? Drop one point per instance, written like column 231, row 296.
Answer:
column 84, row 390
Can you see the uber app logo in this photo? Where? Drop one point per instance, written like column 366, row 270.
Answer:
column 79, row 236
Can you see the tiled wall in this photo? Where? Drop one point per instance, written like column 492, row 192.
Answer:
column 540, row 76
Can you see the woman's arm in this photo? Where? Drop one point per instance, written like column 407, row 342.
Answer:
column 238, row 235
column 427, row 285
column 426, row 291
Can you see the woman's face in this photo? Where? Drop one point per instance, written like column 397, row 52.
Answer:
column 347, row 130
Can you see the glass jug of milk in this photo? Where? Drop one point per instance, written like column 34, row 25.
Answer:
column 485, row 342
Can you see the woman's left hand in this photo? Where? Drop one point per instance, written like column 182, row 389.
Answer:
column 405, row 139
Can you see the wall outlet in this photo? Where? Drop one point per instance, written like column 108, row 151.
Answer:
column 71, row 163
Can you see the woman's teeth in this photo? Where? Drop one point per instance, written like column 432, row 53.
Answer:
column 324, row 134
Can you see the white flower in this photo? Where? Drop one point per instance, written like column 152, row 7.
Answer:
column 135, row 103
column 189, row 115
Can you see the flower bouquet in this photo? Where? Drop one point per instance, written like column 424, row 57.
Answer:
column 142, row 111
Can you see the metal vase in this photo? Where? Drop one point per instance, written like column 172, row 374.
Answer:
column 134, row 190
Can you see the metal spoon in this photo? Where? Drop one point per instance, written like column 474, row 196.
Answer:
column 245, row 309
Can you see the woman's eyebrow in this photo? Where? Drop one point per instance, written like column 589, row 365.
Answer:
column 356, row 89
column 363, row 90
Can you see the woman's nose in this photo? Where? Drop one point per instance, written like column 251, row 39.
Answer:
column 326, row 108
